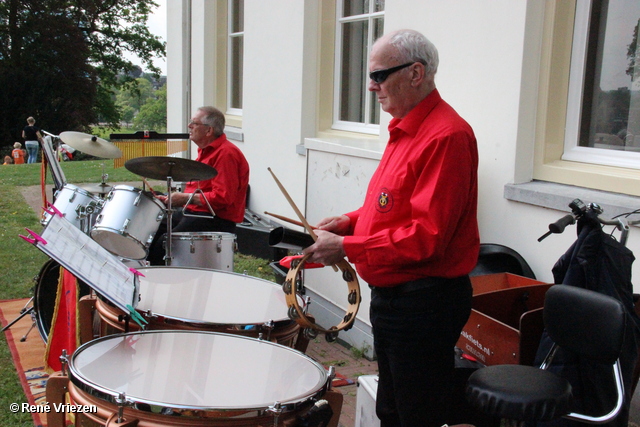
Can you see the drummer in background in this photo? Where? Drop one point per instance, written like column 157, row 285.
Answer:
column 415, row 239
column 226, row 192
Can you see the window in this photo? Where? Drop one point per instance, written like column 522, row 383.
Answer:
column 577, row 114
column 603, row 111
column 359, row 24
column 235, row 49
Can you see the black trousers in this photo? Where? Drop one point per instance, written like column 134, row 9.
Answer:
column 415, row 329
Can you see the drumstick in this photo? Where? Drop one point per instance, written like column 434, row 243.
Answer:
column 305, row 224
column 289, row 220
column 150, row 187
column 295, row 208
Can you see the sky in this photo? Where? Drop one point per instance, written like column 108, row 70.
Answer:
column 157, row 25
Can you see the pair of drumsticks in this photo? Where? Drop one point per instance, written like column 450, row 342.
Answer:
column 303, row 221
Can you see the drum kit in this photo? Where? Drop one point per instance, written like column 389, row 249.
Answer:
column 207, row 332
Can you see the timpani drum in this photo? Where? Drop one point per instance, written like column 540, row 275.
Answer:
column 128, row 222
column 191, row 378
column 77, row 205
column 203, row 249
column 206, row 300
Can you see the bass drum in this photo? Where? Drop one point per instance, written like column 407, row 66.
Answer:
column 44, row 296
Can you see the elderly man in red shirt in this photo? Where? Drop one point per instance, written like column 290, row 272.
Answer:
column 226, row 193
column 415, row 239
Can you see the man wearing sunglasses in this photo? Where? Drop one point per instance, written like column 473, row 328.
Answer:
column 415, row 239
column 226, row 193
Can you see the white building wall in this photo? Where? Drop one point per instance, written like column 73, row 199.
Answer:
column 489, row 52
column 279, row 98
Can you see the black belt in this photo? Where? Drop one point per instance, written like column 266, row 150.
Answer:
column 415, row 285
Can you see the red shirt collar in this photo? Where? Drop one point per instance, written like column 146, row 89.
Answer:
column 410, row 123
column 212, row 145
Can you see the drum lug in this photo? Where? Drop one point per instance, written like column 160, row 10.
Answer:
column 276, row 410
column 64, row 362
column 126, row 224
column 269, row 327
column 219, row 245
column 330, row 377
column 121, row 402
column 192, row 247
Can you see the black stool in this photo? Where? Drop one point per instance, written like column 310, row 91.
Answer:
column 588, row 323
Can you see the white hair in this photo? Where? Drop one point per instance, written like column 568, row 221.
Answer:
column 414, row 46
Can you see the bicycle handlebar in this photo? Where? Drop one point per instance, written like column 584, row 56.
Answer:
column 578, row 208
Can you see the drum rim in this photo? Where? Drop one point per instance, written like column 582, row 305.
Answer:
column 201, row 235
column 111, row 396
column 46, row 267
column 139, row 191
column 142, row 249
column 196, row 322
column 185, row 267
column 81, row 190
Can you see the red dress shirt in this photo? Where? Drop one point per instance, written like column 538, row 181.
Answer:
column 227, row 191
column 419, row 217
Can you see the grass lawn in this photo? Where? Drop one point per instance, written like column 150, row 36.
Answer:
column 21, row 262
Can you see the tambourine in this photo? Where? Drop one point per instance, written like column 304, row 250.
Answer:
column 293, row 284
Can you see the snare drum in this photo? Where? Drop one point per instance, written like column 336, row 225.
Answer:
column 207, row 300
column 205, row 378
column 128, row 222
column 77, row 205
column 203, row 249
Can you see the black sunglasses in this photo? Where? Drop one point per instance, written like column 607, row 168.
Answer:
column 380, row 76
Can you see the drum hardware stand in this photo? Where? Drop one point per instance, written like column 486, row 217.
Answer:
column 168, row 257
column 25, row 310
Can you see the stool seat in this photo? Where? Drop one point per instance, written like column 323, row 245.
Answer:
column 518, row 392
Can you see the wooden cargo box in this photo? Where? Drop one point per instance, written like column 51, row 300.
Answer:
column 506, row 319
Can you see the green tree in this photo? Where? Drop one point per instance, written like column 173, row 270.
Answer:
column 61, row 61
column 135, row 93
column 153, row 114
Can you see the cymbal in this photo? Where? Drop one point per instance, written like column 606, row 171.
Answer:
column 162, row 167
column 101, row 188
column 91, row 145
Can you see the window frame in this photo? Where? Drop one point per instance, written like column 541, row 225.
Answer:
column 552, row 32
column 230, row 59
column 342, row 125
column 577, row 76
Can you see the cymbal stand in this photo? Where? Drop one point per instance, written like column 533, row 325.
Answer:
column 105, row 176
column 168, row 257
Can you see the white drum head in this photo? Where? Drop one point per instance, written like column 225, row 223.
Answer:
column 196, row 370
column 210, row 296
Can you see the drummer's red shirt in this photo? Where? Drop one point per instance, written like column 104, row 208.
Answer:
column 419, row 217
column 227, row 191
